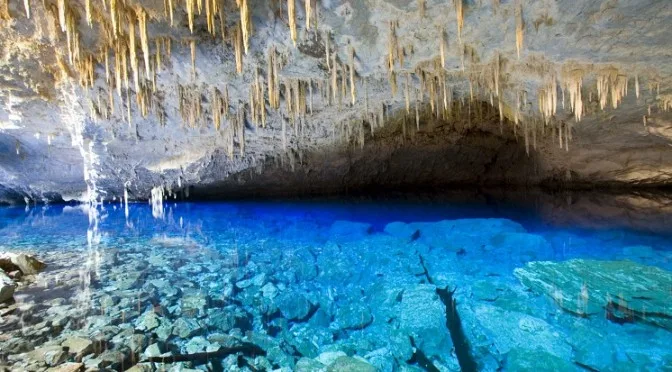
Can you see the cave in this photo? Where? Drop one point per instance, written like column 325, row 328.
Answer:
column 322, row 185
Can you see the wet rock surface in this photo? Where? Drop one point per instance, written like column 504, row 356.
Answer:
column 344, row 297
column 623, row 290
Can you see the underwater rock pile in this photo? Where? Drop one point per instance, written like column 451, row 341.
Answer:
column 15, row 267
column 414, row 296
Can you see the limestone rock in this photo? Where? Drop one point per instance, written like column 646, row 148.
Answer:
column 78, row 346
column 293, row 306
column 401, row 230
column 28, row 264
column 526, row 360
column 625, row 290
column 7, row 287
column 422, row 316
column 185, row 328
column 348, row 230
column 67, row 367
column 349, row 364
column 353, row 316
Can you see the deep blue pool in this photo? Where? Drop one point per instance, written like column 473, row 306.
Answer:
column 352, row 285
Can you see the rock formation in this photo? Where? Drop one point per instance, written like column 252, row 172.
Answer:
column 103, row 98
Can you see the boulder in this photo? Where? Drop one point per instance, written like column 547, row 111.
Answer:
column 463, row 235
column 535, row 360
column 27, row 264
column 401, row 230
column 493, row 332
column 422, row 316
column 348, row 230
column 7, row 287
column 78, row 346
column 350, row 364
column 353, row 316
column 67, row 367
column 625, row 290
column 293, row 306
column 186, row 327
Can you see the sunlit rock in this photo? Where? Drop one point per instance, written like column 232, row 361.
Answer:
column 7, row 287
column 623, row 291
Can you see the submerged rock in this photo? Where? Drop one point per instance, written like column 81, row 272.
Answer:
column 536, row 360
column 7, row 287
column 625, row 290
column 350, row 364
column 353, row 316
column 423, row 317
column 293, row 306
column 493, row 332
column 348, row 230
column 27, row 264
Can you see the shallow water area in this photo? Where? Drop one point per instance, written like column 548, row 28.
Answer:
column 358, row 285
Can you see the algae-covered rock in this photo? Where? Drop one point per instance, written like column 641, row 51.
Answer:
column 626, row 290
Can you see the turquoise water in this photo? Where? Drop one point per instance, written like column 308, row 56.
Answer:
column 335, row 285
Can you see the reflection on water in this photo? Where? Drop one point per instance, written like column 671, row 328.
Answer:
column 549, row 284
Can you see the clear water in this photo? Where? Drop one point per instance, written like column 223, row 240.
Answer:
column 297, row 288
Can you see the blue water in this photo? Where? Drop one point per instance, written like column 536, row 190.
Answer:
column 308, row 282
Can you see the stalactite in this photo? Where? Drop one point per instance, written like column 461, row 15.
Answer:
column 246, row 23
column 619, row 88
column 117, row 66
column 238, row 46
column 158, row 55
column 171, row 10
column 573, row 81
column 548, row 98
column 144, row 38
column 291, row 14
column 133, row 52
column 106, row 53
column 334, row 78
column 422, row 8
column 443, row 47
column 459, row 14
column 310, row 94
column 190, row 14
column 326, row 49
column 61, row 13
column 417, row 112
column 392, row 47
column 192, row 46
column 352, row 75
column 407, row 93
column 26, row 7
column 392, row 77
column 309, row 13
column 519, row 27
column 113, row 16
column 637, row 86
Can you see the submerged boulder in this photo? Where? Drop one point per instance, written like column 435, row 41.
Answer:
column 423, row 317
column 462, row 234
column 626, row 291
column 7, row 287
column 27, row 264
column 348, row 230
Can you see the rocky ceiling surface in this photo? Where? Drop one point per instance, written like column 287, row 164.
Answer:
column 99, row 97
